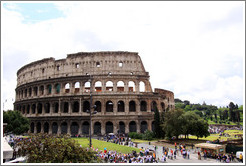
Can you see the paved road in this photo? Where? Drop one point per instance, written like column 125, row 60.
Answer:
column 179, row 158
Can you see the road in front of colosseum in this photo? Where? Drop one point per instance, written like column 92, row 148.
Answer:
column 179, row 158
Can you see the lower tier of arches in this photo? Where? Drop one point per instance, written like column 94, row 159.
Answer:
column 76, row 126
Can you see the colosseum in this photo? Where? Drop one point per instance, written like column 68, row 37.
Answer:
column 56, row 94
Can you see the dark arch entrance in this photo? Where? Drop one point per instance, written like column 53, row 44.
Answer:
column 86, row 106
column 85, row 128
column 122, row 127
column 54, row 128
column 109, row 106
column 109, row 127
column 97, row 128
column 132, row 126
column 132, row 106
column 143, row 106
column 38, row 127
column 39, row 108
column 98, row 106
column 32, row 127
column 121, row 106
column 64, row 128
column 143, row 127
column 47, row 108
column 56, row 108
column 74, row 129
column 65, row 110
column 46, row 127
column 153, row 106
column 76, row 106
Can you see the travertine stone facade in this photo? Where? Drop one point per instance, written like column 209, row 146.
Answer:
column 55, row 94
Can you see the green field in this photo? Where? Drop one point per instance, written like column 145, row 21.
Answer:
column 84, row 142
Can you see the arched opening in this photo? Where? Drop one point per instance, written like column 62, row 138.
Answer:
column 120, row 86
column 143, row 127
column 98, row 106
column 97, row 128
column 121, row 106
column 153, row 106
column 64, row 128
column 67, row 88
column 39, row 108
column 49, row 89
column 98, row 64
column 77, row 87
column 131, row 86
column 41, row 90
column 65, row 108
column 120, row 64
column 153, row 126
column 109, row 86
column 76, row 106
column 121, row 127
column 109, row 106
column 142, row 86
column 109, row 127
column 85, row 128
column 132, row 106
column 87, row 87
column 23, row 109
column 54, row 128
column 132, row 126
column 28, row 109
column 38, row 127
column 33, row 108
column 98, row 86
column 47, row 107
column 25, row 92
column 57, row 88
column 56, row 108
column 143, row 106
column 32, row 127
column 46, row 127
column 74, row 129
column 86, row 106
column 163, row 106
column 30, row 92
column 35, row 91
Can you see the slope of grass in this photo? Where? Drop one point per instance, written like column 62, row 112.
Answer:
column 84, row 142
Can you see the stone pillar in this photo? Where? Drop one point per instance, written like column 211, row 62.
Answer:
column 45, row 90
column 149, row 106
column 126, row 127
column 126, row 106
column 103, row 131
column 80, row 128
column 43, row 108
column 80, row 105
column 103, row 108
column 149, row 125
column 71, row 88
column 91, row 127
column 50, row 127
column 103, row 86
column 138, row 126
column 35, row 127
column 137, row 87
column 138, row 103
column 69, row 127
column 42, row 127
column 114, row 86
column 59, row 107
column 58, row 127
column 115, row 107
column 126, row 89
column 69, row 107
column 51, row 108
column 116, row 127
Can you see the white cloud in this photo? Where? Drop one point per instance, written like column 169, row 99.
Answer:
column 185, row 46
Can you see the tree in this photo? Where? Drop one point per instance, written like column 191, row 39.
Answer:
column 231, row 111
column 16, row 123
column 45, row 148
column 172, row 123
column 201, row 128
column 157, row 131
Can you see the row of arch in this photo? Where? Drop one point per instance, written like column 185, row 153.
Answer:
column 84, row 106
column 75, row 87
column 98, row 128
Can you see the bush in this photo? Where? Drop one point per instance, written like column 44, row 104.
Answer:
column 135, row 135
column 148, row 135
column 44, row 148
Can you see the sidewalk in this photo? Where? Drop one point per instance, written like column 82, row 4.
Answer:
column 179, row 157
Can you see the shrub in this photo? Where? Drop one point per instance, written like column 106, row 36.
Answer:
column 44, row 148
column 135, row 135
column 148, row 135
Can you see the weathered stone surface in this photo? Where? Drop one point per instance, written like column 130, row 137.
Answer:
column 55, row 94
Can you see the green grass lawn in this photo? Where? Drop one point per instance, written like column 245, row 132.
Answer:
column 84, row 142
column 213, row 137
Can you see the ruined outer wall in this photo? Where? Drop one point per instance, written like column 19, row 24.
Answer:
column 93, row 63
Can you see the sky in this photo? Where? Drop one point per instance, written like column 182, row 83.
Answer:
column 194, row 49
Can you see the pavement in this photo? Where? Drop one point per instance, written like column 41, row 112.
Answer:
column 179, row 157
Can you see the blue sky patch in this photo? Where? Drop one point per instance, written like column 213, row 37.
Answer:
column 35, row 12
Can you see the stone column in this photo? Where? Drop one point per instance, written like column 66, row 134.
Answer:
column 92, row 127
column 126, row 89
column 115, row 107
column 138, row 126
column 59, row 107
column 69, row 127
column 58, row 127
column 50, row 127
column 69, row 107
column 42, row 127
column 126, row 106
column 103, row 128
column 51, row 108
column 126, row 127
column 80, row 105
column 149, row 106
column 137, row 87
column 71, row 88
column 138, row 103
column 80, row 128
column 115, row 127
column 35, row 127
column 114, row 86
column 103, row 86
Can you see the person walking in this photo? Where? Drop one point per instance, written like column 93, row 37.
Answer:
column 188, row 154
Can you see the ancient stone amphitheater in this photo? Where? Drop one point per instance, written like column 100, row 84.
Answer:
column 56, row 94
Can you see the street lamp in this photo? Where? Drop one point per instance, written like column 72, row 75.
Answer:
column 90, row 80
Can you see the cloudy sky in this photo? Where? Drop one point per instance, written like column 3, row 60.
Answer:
column 195, row 49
